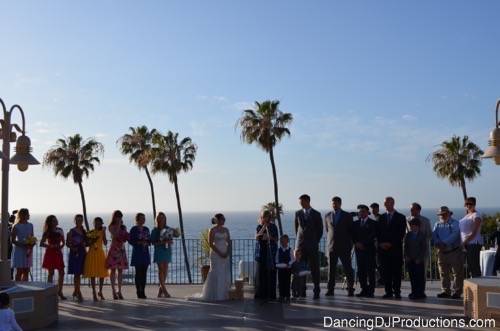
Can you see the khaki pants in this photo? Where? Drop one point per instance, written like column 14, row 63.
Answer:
column 448, row 263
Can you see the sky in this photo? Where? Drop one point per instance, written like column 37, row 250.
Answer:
column 374, row 87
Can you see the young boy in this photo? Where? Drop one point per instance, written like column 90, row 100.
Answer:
column 299, row 270
column 7, row 317
column 415, row 249
column 284, row 261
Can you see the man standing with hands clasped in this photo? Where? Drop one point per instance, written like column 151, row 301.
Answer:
column 390, row 234
column 309, row 230
column 338, row 227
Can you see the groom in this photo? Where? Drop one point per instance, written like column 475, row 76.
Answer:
column 309, row 230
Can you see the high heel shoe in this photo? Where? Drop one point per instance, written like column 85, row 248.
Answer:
column 160, row 292
column 95, row 296
column 115, row 296
column 80, row 297
column 120, row 296
column 100, row 295
column 166, row 294
column 61, row 296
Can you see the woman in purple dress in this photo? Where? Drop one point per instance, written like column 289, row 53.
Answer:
column 76, row 241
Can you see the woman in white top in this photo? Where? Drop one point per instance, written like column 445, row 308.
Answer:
column 7, row 317
column 472, row 240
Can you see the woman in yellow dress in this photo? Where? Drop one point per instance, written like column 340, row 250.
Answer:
column 95, row 261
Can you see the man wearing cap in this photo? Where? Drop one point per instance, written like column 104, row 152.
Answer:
column 309, row 230
column 446, row 238
column 338, row 227
column 391, row 231
column 364, row 233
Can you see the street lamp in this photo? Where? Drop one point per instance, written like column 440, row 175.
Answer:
column 23, row 159
column 493, row 150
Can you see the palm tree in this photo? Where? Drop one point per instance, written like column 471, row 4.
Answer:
column 172, row 157
column 271, row 207
column 458, row 159
column 75, row 157
column 137, row 144
column 266, row 125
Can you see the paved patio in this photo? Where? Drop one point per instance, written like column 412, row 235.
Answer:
column 181, row 314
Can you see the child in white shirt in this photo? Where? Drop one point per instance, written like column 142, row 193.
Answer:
column 7, row 317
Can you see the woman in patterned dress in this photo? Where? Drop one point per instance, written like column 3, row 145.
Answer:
column 22, row 254
column 117, row 256
column 76, row 241
column 53, row 241
column 95, row 262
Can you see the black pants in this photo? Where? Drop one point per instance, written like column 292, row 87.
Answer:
column 140, row 279
column 365, row 259
column 392, row 265
column 311, row 257
column 417, row 277
column 345, row 259
column 266, row 282
column 472, row 258
column 298, row 286
column 284, row 282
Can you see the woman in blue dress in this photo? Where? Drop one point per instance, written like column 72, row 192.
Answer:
column 163, row 252
column 76, row 241
column 22, row 252
column 140, row 240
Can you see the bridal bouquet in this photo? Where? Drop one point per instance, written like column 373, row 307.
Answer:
column 30, row 241
column 169, row 234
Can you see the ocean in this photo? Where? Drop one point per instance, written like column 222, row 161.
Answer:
column 241, row 224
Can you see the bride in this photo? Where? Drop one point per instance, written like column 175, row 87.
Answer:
column 218, row 282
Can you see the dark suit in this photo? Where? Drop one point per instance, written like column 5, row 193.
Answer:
column 366, row 234
column 309, row 230
column 338, row 229
column 392, row 231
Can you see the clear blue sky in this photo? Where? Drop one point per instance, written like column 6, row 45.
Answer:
column 374, row 86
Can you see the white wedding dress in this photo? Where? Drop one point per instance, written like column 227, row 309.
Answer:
column 218, row 282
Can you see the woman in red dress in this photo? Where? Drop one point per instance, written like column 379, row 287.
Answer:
column 53, row 241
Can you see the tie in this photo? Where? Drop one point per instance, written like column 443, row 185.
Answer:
column 389, row 218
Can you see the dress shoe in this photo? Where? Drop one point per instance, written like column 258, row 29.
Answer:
column 350, row 293
column 361, row 294
column 329, row 293
column 397, row 296
column 387, row 296
column 444, row 295
column 316, row 296
column 370, row 295
column 456, row 296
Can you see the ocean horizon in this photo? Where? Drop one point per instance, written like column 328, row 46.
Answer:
column 241, row 224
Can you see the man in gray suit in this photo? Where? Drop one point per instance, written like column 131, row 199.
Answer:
column 338, row 227
column 309, row 230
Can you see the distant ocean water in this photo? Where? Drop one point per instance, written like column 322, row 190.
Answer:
column 241, row 224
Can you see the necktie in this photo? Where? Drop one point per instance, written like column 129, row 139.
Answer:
column 389, row 218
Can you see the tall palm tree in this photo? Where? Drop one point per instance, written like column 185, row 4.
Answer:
column 76, row 157
column 458, row 159
column 172, row 157
column 266, row 125
column 271, row 207
column 137, row 144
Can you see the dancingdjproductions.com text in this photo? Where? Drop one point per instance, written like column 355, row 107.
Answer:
column 409, row 323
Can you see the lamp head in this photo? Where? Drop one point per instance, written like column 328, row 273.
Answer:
column 23, row 157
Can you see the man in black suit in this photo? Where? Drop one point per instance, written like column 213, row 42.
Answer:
column 390, row 236
column 338, row 227
column 309, row 230
column 364, row 234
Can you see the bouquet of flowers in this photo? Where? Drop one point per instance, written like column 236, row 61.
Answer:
column 92, row 237
column 169, row 234
column 123, row 235
column 30, row 241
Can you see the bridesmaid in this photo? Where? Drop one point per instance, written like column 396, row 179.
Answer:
column 140, row 240
column 22, row 253
column 162, row 253
column 95, row 262
column 267, row 238
column 53, row 241
column 117, row 257
column 76, row 241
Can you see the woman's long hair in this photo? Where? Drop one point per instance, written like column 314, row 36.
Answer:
column 22, row 212
column 157, row 220
column 48, row 223
column 115, row 216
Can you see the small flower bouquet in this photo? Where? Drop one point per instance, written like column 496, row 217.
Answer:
column 92, row 237
column 30, row 241
column 169, row 234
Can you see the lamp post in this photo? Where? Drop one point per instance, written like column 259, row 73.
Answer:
column 23, row 159
column 493, row 150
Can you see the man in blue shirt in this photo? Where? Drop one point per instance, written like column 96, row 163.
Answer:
column 446, row 238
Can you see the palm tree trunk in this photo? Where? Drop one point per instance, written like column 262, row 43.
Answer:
column 181, row 224
column 276, row 201
column 84, row 206
column 464, row 189
column 152, row 192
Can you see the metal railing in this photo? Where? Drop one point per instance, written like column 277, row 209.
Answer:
column 243, row 251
